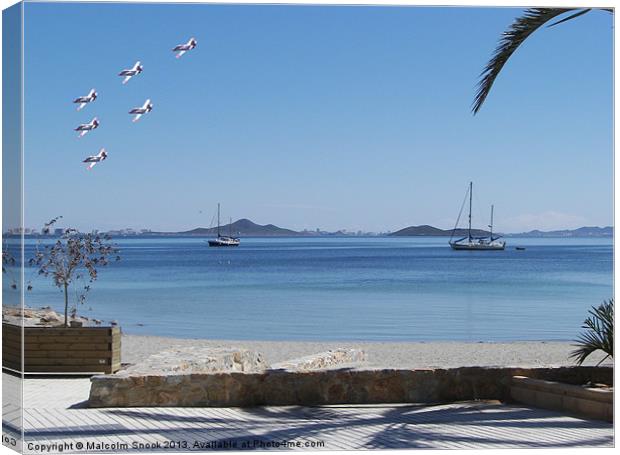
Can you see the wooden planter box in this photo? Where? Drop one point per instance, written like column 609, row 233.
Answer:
column 61, row 349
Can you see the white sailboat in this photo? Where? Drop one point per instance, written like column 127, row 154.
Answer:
column 223, row 240
column 471, row 242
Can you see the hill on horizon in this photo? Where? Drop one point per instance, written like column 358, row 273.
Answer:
column 426, row 230
column 244, row 227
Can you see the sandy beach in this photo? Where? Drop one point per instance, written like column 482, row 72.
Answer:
column 383, row 355
column 444, row 354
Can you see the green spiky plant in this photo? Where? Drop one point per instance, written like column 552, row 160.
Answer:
column 531, row 20
column 599, row 334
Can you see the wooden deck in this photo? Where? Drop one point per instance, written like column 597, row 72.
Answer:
column 53, row 415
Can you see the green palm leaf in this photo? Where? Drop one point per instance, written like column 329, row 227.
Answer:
column 599, row 333
column 517, row 33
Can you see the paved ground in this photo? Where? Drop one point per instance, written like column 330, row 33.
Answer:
column 53, row 415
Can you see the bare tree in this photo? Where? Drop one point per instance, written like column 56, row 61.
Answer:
column 8, row 260
column 72, row 257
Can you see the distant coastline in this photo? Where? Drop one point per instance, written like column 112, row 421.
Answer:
column 426, row 230
column 247, row 228
column 586, row 231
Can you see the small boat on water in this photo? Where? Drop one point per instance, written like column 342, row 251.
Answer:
column 223, row 240
column 470, row 242
column 520, row 248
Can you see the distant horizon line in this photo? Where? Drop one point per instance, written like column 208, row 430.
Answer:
column 315, row 231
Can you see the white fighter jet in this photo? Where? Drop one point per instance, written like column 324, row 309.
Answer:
column 135, row 70
column 94, row 159
column 84, row 100
column 86, row 127
column 183, row 48
column 140, row 111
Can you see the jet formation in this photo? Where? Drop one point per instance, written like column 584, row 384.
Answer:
column 138, row 112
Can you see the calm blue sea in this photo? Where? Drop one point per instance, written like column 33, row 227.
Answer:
column 376, row 289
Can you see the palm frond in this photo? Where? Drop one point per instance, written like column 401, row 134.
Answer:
column 572, row 16
column 531, row 20
column 599, row 333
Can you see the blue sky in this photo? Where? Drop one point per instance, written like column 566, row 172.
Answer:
column 306, row 117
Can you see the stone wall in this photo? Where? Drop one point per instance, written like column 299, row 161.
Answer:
column 343, row 386
column 190, row 359
column 588, row 402
column 322, row 360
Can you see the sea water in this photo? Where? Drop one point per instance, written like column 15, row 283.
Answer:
column 345, row 288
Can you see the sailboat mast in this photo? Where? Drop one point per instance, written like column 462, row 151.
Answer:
column 491, row 226
column 470, row 197
column 230, row 227
column 218, row 219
